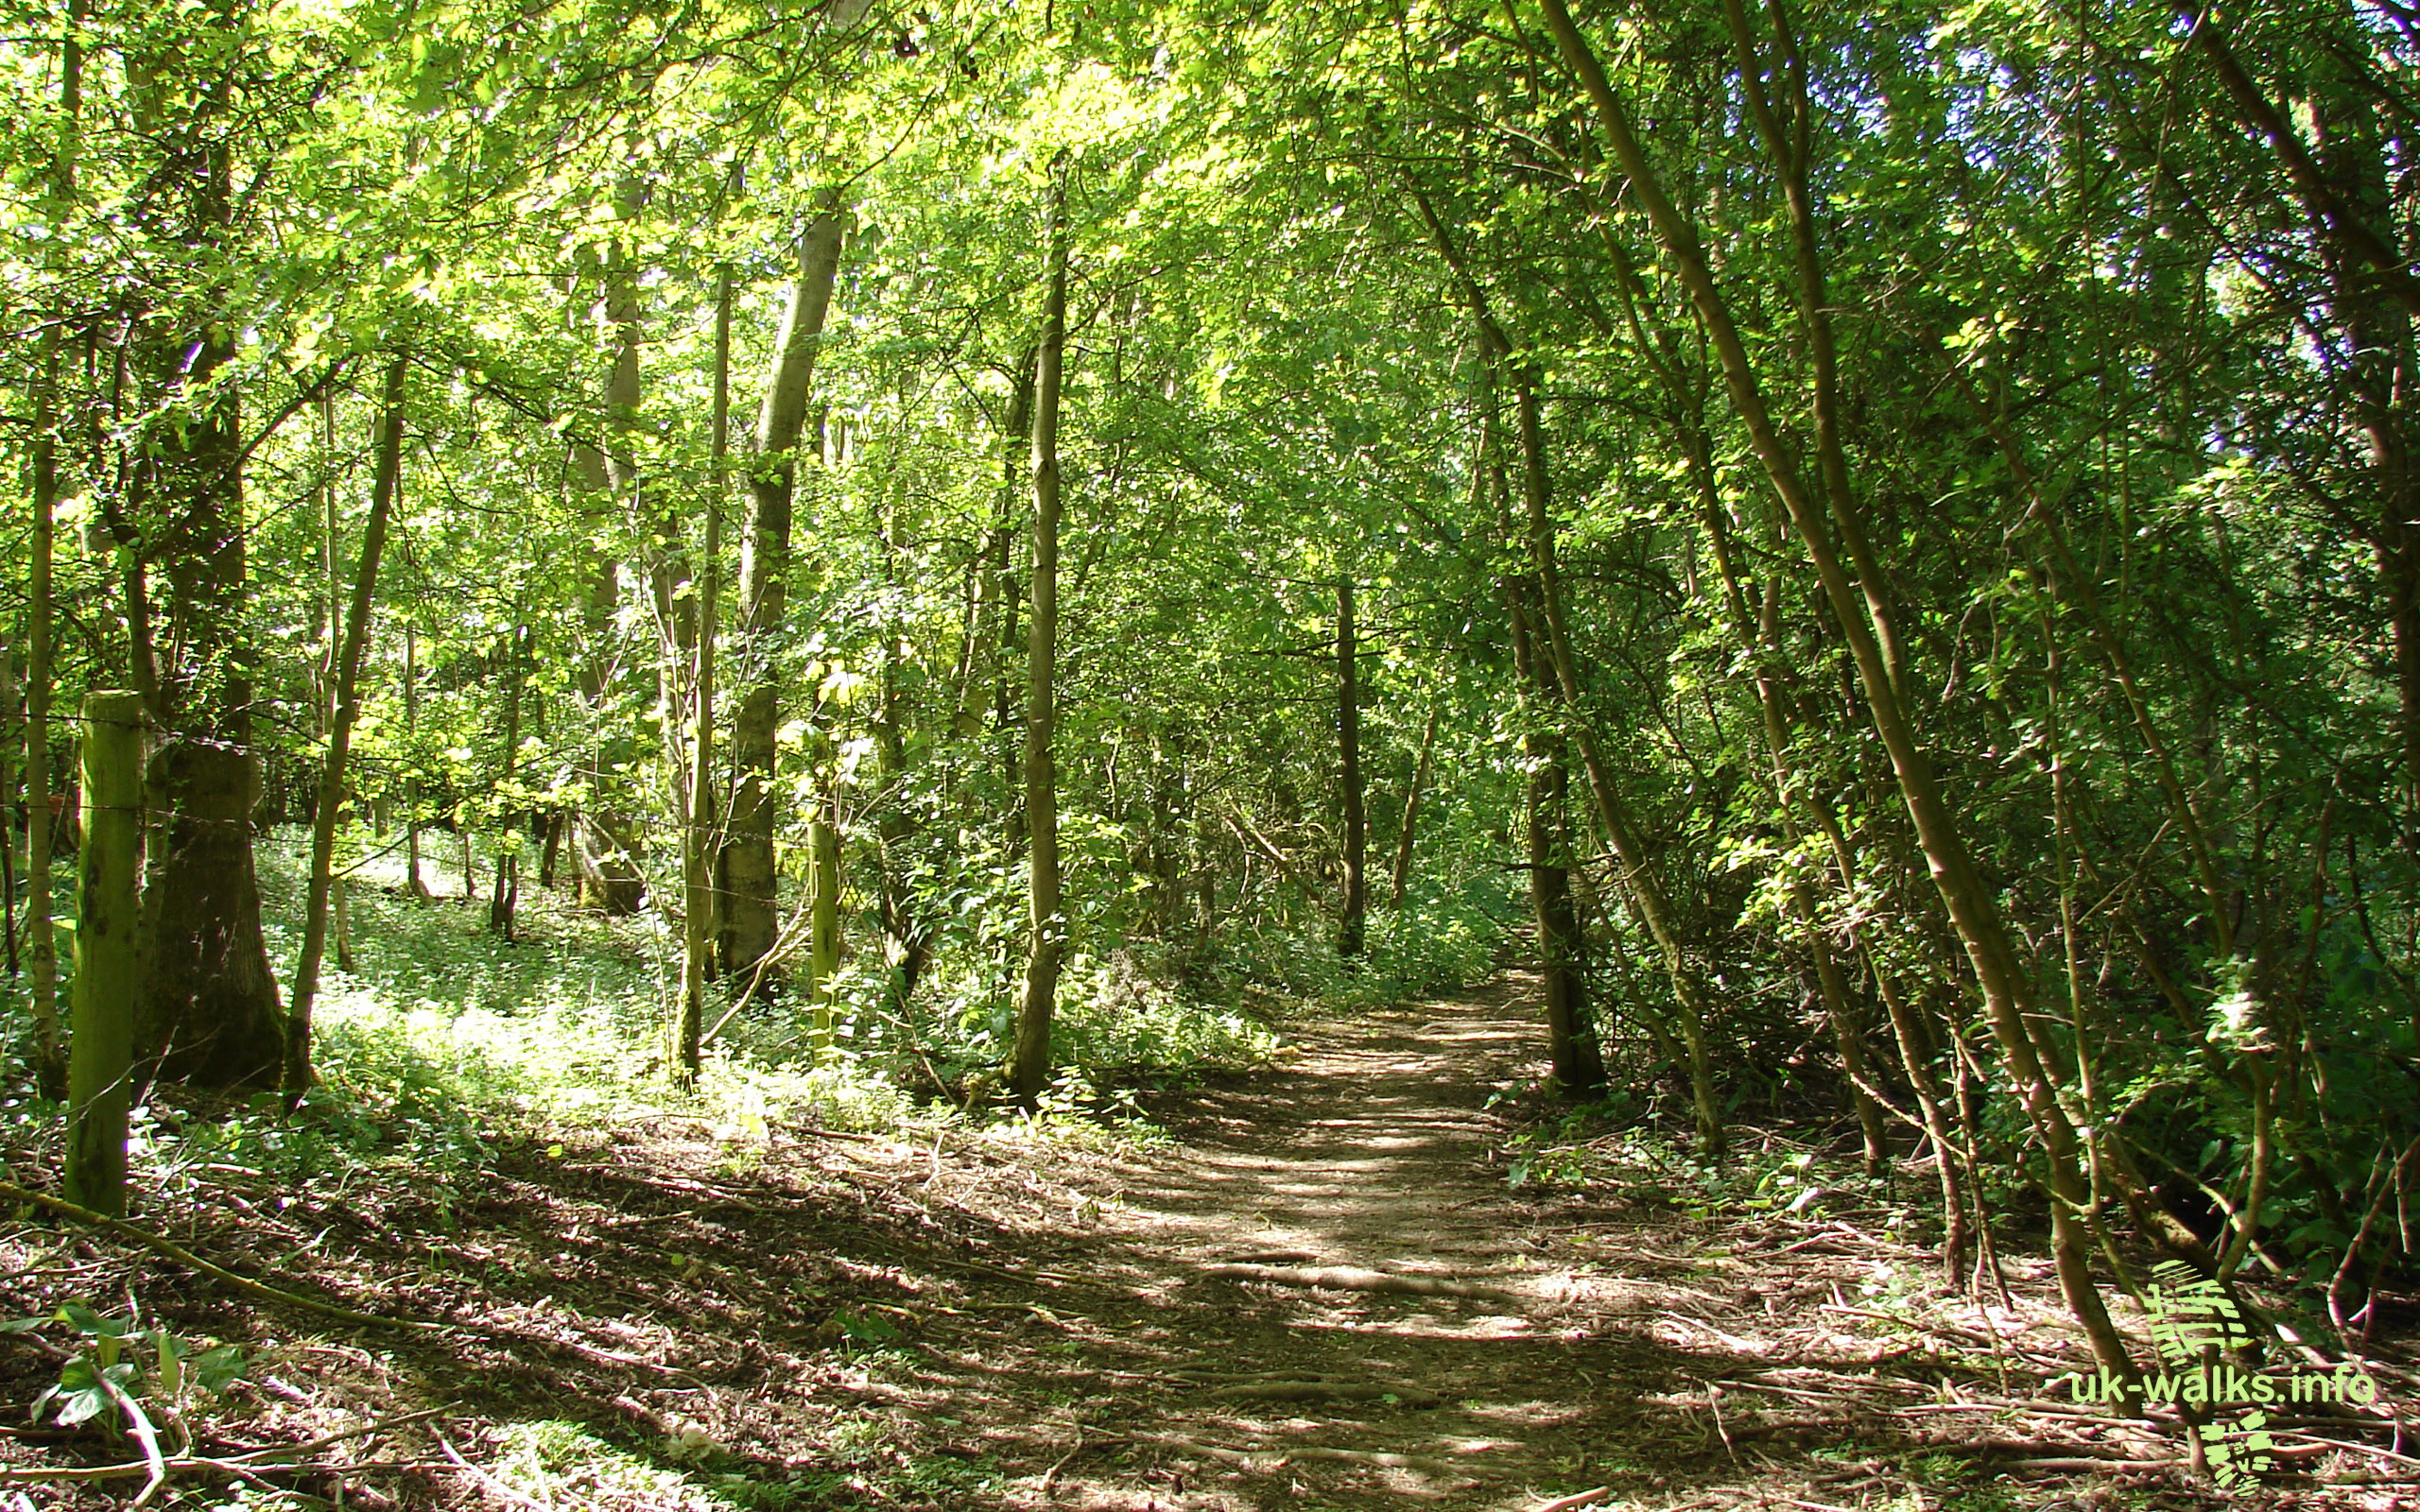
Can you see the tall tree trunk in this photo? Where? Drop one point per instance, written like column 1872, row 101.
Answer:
column 42, row 947
column 1410, row 826
column 909, row 939
column 1640, row 881
column 823, row 911
column 1348, row 733
column 751, row 920
column 990, row 625
column 1032, row 1071
column 696, row 851
column 2006, row 992
column 1761, row 632
column 414, row 887
column 209, row 1014
column 296, row 1071
column 327, row 612
column 12, row 736
column 108, row 963
column 1571, row 1039
column 1641, row 877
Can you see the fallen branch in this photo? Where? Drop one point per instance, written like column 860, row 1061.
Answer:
column 1349, row 1279
column 169, row 1250
column 2352, row 1447
column 1050, row 1476
column 1576, row 1499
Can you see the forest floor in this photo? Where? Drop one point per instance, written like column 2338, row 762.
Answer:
column 659, row 1319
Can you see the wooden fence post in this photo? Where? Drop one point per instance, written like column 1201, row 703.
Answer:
column 101, row 1043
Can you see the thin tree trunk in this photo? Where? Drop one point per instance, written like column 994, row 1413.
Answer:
column 506, row 897
column 413, row 886
column 1409, row 828
column 42, row 947
column 1915, row 1059
column 296, row 1071
column 2007, row 993
column 1348, row 729
column 1641, row 877
column 1638, row 875
column 696, row 940
column 340, row 910
column 13, row 737
column 1571, row 1040
column 1032, row 1071
column 328, row 606
column 824, row 912
column 909, row 939
column 750, row 917
column 989, row 630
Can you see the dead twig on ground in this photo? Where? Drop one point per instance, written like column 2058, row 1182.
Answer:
column 499, row 1487
column 169, row 1250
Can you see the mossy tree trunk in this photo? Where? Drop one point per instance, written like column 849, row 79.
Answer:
column 109, row 944
column 750, row 919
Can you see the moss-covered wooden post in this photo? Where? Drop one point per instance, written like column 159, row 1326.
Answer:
column 101, row 1044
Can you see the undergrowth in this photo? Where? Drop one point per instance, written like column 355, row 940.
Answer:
column 443, row 1038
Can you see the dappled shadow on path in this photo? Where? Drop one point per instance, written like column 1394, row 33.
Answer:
column 963, row 1320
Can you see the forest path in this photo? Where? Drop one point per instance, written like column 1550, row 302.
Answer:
column 1182, row 1388
column 679, row 1317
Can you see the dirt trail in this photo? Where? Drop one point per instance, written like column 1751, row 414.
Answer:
column 1806, row 1359
column 1369, row 1152
column 963, row 1319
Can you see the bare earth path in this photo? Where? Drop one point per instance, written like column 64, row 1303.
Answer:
column 1581, row 1354
column 1369, row 1153
column 681, row 1318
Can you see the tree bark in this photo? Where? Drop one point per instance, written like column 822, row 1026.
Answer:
column 1536, row 530
column 414, row 887
column 2007, row 993
column 1571, row 1038
column 1640, row 875
column 209, row 1014
column 41, row 946
column 108, row 946
column 824, row 912
column 42, row 949
column 1030, row 1073
column 1406, row 832
column 296, row 1071
column 1348, row 731
column 697, row 940
column 751, row 920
